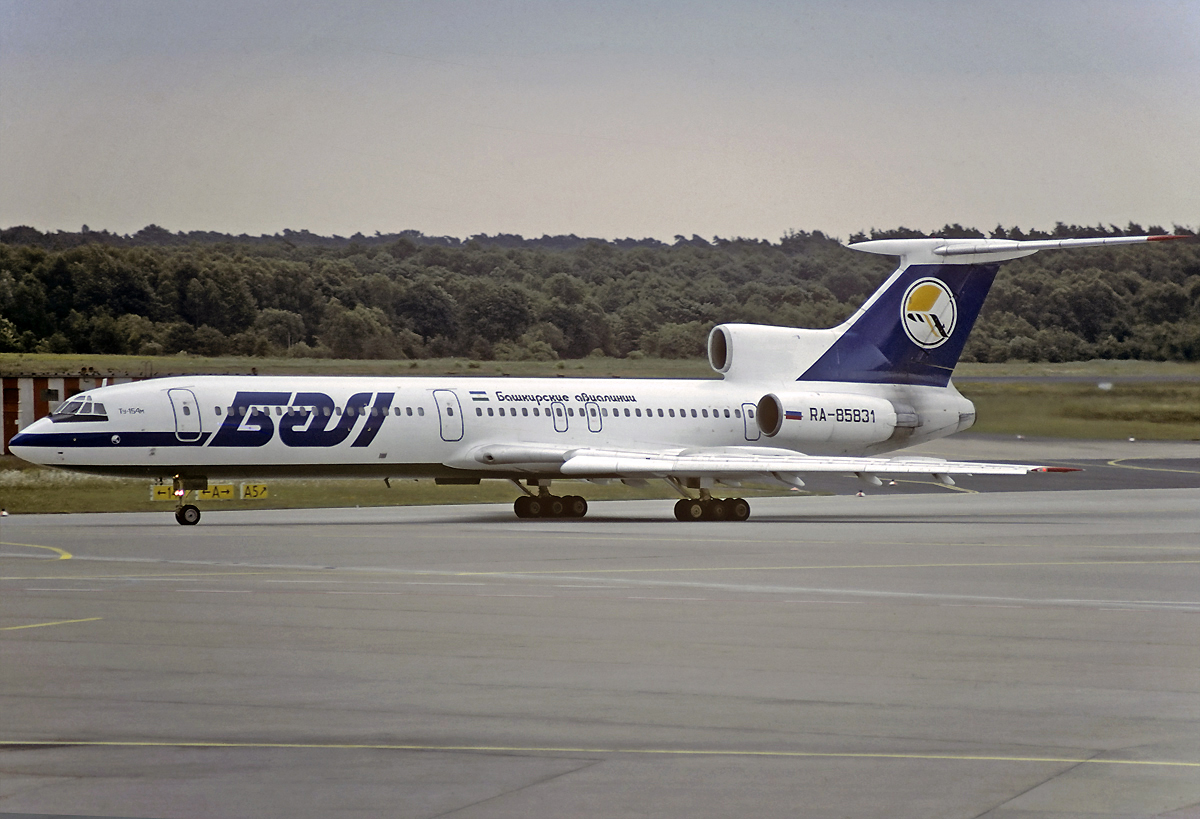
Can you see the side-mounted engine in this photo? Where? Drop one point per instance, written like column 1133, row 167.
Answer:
column 801, row 419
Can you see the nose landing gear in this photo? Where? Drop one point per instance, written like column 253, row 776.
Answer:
column 185, row 513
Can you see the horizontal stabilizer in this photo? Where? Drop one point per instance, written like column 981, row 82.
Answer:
column 971, row 251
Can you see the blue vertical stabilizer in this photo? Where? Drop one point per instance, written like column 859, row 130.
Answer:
column 912, row 331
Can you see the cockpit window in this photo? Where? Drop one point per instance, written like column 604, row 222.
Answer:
column 79, row 409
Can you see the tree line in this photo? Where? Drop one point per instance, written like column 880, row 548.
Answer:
column 407, row 295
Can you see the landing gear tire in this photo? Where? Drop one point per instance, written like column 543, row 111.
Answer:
column 550, row 506
column 187, row 515
column 727, row 509
column 690, row 510
column 739, row 509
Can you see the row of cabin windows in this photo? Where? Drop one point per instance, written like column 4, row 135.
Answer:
column 326, row 411
column 634, row 413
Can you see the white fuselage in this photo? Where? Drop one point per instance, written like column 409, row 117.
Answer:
column 247, row 426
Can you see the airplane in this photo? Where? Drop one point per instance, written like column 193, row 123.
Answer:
column 790, row 402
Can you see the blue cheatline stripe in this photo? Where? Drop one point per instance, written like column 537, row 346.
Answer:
column 106, row 440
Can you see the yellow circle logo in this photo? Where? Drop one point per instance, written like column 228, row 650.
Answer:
column 928, row 312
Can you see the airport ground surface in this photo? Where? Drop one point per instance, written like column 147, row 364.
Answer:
column 942, row 654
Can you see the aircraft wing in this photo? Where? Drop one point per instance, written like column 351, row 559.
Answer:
column 716, row 462
column 782, row 465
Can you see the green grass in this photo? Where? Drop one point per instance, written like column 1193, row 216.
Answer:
column 1143, row 410
column 145, row 366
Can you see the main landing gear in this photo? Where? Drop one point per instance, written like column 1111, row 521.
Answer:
column 550, row 506
column 712, row 509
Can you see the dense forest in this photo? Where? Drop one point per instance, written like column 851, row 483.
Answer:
column 407, row 295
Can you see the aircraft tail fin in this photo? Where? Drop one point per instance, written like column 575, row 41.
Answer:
column 912, row 330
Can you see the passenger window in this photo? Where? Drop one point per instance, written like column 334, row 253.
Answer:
column 660, row 415
column 337, row 410
column 421, row 411
column 187, row 410
column 749, row 413
column 408, row 411
column 671, row 413
column 726, row 413
column 278, row 411
column 638, row 412
column 559, row 412
column 450, row 411
column 704, row 413
column 592, row 412
column 328, row 411
column 737, row 413
column 525, row 411
column 217, row 410
column 571, row 411
column 604, row 412
column 479, row 411
column 490, row 411
column 396, row 411
column 535, row 412
column 694, row 413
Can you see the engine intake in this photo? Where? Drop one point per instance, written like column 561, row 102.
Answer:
column 769, row 414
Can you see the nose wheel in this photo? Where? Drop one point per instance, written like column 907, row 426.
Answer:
column 187, row 515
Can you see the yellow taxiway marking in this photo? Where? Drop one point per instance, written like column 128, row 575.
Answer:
column 55, row 623
column 1117, row 462
column 536, row 749
column 63, row 554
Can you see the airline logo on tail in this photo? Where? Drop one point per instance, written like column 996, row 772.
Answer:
column 928, row 313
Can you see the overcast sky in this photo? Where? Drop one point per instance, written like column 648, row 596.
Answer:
column 598, row 118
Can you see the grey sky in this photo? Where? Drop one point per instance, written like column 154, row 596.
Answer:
column 603, row 119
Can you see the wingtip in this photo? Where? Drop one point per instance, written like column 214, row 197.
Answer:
column 1167, row 238
column 1057, row 469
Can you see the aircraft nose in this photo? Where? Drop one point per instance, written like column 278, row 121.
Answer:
column 23, row 444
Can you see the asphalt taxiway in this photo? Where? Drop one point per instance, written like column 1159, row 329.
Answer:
column 949, row 654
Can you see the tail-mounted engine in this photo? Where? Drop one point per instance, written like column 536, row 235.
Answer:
column 756, row 352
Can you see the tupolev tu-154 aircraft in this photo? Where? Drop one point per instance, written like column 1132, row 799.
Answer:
column 790, row 402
